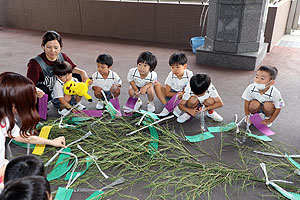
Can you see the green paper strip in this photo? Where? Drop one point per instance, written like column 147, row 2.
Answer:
column 89, row 161
column 95, row 195
column 78, row 120
column 24, row 145
column 296, row 196
column 297, row 165
column 61, row 167
column 63, row 194
column 225, row 128
column 263, row 137
column 282, row 191
column 150, row 114
column 110, row 108
column 153, row 146
column 199, row 137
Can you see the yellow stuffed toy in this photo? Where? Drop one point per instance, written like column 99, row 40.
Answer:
column 80, row 89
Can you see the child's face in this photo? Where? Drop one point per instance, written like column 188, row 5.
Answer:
column 143, row 68
column 103, row 68
column 178, row 69
column 52, row 49
column 65, row 78
column 262, row 77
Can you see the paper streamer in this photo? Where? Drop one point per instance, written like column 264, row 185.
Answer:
column 297, row 165
column 199, row 137
column 91, row 113
column 115, row 103
column 39, row 148
column 112, row 111
column 43, row 103
column 95, row 195
column 263, row 137
column 89, row 161
column 276, row 155
column 172, row 103
column 256, row 121
column 61, row 167
column 63, row 194
column 130, row 104
column 225, row 128
column 149, row 114
column 289, row 195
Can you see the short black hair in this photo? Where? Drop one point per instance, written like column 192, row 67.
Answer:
column 199, row 83
column 62, row 68
column 177, row 58
column 148, row 58
column 22, row 166
column 105, row 59
column 51, row 35
column 31, row 187
column 270, row 69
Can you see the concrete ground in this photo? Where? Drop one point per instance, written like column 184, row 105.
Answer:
column 19, row 46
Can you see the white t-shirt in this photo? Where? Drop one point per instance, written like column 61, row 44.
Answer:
column 211, row 92
column 15, row 132
column 273, row 94
column 179, row 84
column 134, row 75
column 58, row 88
column 106, row 84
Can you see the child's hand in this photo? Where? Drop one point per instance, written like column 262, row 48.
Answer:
column 266, row 122
column 59, row 142
column 179, row 95
column 143, row 90
column 97, row 90
column 193, row 111
column 137, row 93
column 40, row 93
column 90, row 82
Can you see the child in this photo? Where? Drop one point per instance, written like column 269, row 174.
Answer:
column 176, row 81
column 200, row 91
column 18, row 97
column 106, row 80
column 22, row 166
column 63, row 73
column 261, row 96
column 27, row 188
column 141, row 79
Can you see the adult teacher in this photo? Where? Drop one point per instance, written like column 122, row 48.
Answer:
column 40, row 68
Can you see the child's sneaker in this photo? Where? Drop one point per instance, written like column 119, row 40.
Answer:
column 138, row 104
column 183, row 118
column 150, row 107
column 177, row 111
column 81, row 107
column 62, row 111
column 215, row 116
column 164, row 112
column 99, row 105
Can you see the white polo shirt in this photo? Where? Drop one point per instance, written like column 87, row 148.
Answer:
column 58, row 88
column 179, row 84
column 134, row 75
column 107, row 83
column 273, row 94
column 211, row 92
column 4, row 125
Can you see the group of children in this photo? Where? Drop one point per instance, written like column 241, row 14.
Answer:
column 195, row 92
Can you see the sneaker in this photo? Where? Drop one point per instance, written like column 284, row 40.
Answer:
column 100, row 105
column 62, row 111
column 177, row 111
column 81, row 107
column 150, row 107
column 215, row 116
column 183, row 118
column 164, row 112
column 138, row 104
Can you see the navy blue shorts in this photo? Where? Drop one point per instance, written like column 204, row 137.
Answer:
column 108, row 95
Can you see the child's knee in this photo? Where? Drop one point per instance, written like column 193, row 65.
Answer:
column 268, row 107
column 150, row 91
column 254, row 106
column 209, row 102
column 192, row 102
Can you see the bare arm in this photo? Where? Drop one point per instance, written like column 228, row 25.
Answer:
column 144, row 89
column 272, row 118
column 218, row 103
column 168, row 92
column 82, row 73
column 57, row 142
column 134, row 87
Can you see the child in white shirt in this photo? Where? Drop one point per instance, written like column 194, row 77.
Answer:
column 200, row 91
column 176, row 81
column 105, row 79
column 141, row 79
